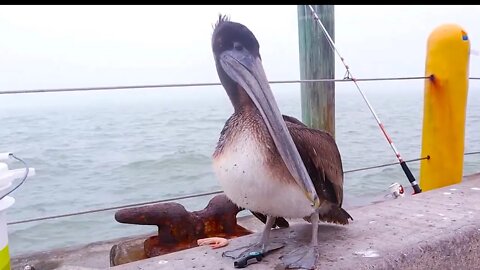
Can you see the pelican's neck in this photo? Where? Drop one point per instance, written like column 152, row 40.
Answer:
column 240, row 99
column 238, row 96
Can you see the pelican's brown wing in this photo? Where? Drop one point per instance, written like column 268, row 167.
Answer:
column 321, row 157
column 320, row 154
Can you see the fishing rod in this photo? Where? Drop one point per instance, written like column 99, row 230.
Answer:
column 349, row 75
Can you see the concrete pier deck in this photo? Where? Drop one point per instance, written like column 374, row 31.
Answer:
column 439, row 229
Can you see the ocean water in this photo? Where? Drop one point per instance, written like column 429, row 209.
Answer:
column 100, row 149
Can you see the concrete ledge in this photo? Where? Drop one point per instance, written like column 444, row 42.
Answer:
column 91, row 256
column 94, row 255
column 438, row 229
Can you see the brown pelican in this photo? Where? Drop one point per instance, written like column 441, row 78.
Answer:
column 267, row 162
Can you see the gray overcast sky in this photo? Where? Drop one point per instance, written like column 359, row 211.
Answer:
column 72, row 46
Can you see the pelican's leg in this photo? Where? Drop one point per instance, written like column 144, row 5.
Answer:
column 257, row 250
column 266, row 232
column 305, row 257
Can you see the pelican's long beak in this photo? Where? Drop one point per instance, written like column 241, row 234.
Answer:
column 247, row 70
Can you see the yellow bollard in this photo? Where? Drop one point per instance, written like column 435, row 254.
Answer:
column 5, row 203
column 445, row 100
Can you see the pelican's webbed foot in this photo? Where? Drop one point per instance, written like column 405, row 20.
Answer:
column 304, row 257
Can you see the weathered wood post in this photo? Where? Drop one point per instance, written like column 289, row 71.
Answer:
column 443, row 138
column 317, row 61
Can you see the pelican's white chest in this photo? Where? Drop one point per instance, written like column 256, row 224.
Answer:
column 248, row 178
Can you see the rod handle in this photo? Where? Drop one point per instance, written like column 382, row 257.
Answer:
column 411, row 178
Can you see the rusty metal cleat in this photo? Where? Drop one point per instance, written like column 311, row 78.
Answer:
column 179, row 229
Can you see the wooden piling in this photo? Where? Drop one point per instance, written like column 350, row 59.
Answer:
column 317, row 61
